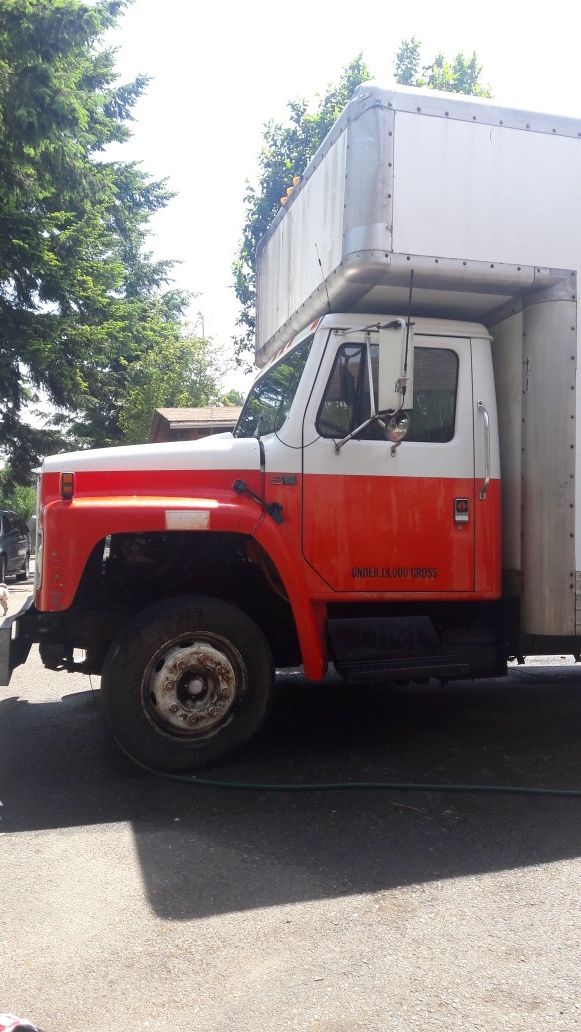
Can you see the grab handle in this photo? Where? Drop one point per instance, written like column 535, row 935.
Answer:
column 484, row 489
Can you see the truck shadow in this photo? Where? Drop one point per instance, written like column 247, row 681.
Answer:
column 205, row 851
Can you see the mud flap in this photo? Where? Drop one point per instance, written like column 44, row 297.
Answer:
column 16, row 638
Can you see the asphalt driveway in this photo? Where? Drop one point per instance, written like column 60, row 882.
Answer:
column 133, row 902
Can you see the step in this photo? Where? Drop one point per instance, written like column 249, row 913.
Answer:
column 404, row 668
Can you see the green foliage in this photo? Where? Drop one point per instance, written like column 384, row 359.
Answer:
column 231, row 397
column 460, row 75
column 19, row 498
column 81, row 300
column 407, row 62
column 180, row 372
column 134, row 338
column 289, row 146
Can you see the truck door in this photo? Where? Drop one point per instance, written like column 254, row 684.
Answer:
column 375, row 520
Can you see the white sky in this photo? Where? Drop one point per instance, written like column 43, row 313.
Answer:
column 220, row 70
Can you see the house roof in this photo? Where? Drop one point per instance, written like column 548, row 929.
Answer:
column 213, row 417
column 196, row 416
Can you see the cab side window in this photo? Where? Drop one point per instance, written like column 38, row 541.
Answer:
column 433, row 417
column 345, row 404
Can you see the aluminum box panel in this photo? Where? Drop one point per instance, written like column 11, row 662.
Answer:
column 292, row 272
column 486, row 193
column 480, row 201
column 340, row 214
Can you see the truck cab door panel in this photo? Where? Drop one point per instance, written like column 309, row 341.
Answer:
column 403, row 522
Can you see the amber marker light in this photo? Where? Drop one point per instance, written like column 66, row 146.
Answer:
column 290, row 190
column 67, row 486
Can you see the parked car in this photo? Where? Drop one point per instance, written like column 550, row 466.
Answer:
column 14, row 546
column 31, row 524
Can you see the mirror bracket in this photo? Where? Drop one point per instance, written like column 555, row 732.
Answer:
column 397, row 425
column 375, row 418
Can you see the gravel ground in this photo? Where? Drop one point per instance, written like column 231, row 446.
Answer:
column 137, row 903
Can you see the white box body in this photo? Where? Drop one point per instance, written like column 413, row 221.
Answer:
column 482, row 203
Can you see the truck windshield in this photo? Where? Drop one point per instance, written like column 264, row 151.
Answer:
column 269, row 401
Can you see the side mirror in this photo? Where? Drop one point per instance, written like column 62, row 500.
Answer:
column 398, row 427
column 395, row 387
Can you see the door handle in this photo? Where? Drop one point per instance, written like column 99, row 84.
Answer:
column 485, row 483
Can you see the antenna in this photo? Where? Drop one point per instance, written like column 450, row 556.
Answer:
column 323, row 275
column 408, row 322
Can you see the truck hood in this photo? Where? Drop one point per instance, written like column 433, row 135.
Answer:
column 221, row 451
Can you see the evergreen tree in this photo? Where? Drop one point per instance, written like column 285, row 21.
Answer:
column 81, row 299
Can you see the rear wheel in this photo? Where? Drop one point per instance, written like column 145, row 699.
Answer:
column 187, row 683
column 24, row 570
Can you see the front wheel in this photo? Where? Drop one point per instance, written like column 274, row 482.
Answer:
column 187, row 683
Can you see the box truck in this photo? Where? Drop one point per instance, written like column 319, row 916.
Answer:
column 400, row 496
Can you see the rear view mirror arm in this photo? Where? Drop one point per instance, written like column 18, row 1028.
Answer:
column 375, row 418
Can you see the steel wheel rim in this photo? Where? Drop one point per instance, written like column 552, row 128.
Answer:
column 191, row 685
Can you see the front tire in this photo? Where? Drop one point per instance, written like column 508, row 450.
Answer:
column 187, row 683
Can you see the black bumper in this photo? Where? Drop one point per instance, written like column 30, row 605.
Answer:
column 17, row 634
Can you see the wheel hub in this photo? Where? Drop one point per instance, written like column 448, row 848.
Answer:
column 190, row 688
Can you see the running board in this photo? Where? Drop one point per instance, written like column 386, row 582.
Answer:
column 405, row 669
